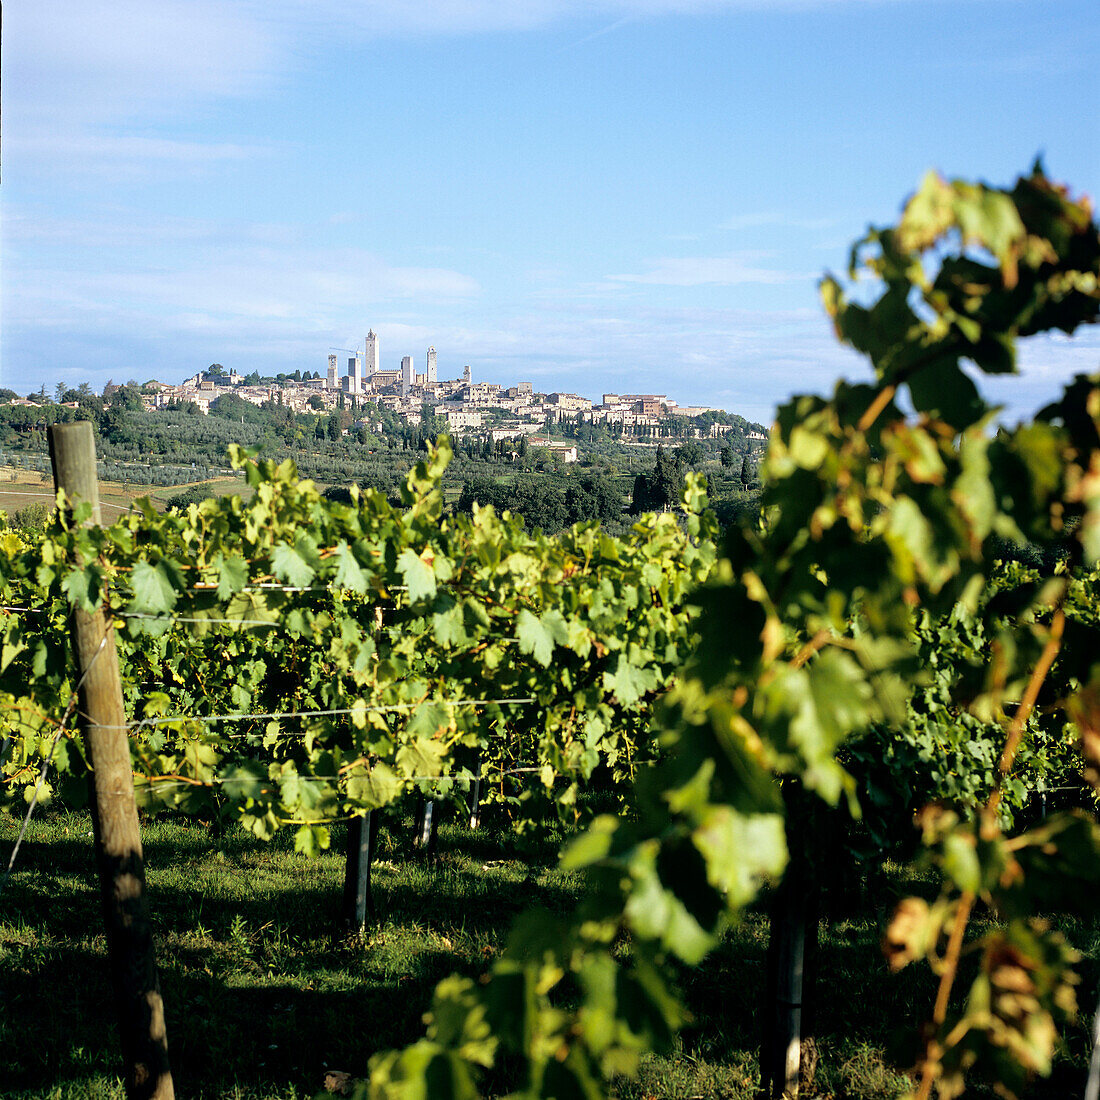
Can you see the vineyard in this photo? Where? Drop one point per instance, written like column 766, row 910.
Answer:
column 898, row 661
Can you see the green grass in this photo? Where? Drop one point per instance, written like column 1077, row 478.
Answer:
column 262, row 999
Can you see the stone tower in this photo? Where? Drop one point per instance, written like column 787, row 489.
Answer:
column 372, row 355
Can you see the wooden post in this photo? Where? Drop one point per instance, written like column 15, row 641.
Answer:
column 114, row 813
column 475, row 804
column 781, row 1047
column 426, row 826
column 475, row 796
column 784, row 1051
column 358, row 903
column 1092, row 1085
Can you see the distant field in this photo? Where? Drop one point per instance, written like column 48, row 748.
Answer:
column 19, row 487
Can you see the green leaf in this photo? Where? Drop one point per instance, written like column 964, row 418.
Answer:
column 458, row 1021
column 288, row 565
column 741, row 851
column 942, row 389
column 246, row 781
column 154, row 593
column 82, row 587
column 961, row 863
column 417, row 574
column 430, row 719
column 348, row 573
column 423, row 1071
column 312, row 840
column 423, row 757
column 375, row 788
column 629, row 683
column 232, row 575
column 593, row 845
column 658, row 913
column 537, row 636
column 448, row 626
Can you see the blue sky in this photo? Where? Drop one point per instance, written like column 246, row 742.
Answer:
column 592, row 195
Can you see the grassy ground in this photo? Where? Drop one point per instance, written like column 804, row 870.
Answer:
column 261, row 1000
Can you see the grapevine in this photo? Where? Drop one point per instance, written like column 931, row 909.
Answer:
column 417, row 649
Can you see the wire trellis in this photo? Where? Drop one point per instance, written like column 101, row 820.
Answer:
column 168, row 782
column 334, row 712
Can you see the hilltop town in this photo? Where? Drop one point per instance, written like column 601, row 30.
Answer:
column 359, row 383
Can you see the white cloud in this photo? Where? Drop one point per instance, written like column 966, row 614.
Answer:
column 229, row 277
column 81, row 60
column 237, row 285
column 74, row 60
column 709, row 270
column 125, row 155
column 79, row 71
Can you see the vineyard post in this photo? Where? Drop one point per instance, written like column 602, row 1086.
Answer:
column 425, row 825
column 358, row 902
column 475, row 795
column 792, row 908
column 114, row 813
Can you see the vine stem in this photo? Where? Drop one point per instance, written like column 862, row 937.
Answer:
column 1023, row 713
column 989, row 826
column 882, row 399
column 943, row 994
column 816, row 643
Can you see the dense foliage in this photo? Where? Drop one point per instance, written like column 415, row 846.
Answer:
column 382, row 646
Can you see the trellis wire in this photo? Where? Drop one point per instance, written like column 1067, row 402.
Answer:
column 335, row 712
column 155, row 783
column 195, row 619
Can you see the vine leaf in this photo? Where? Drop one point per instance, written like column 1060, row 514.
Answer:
column 82, row 587
column 375, row 788
column 232, row 575
column 417, row 574
column 154, row 592
column 348, row 572
column 538, row 634
column 629, row 683
column 423, row 757
column 288, row 565
column 741, row 850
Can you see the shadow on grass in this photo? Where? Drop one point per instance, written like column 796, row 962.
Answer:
column 260, row 995
column 261, row 999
